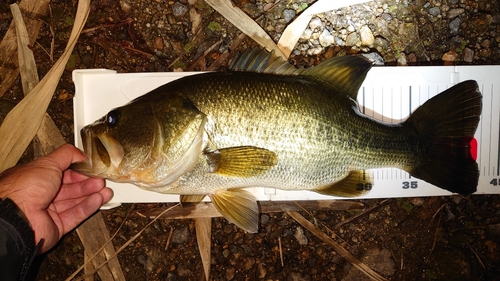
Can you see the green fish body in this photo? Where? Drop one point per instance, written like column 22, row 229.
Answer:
column 272, row 125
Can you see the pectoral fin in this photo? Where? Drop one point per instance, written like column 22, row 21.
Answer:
column 187, row 200
column 242, row 161
column 356, row 183
column 239, row 207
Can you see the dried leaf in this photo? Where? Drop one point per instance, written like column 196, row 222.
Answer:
column 204, row 238
column 21, row 124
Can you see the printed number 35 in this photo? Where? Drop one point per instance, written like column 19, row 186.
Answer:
column 410, row 184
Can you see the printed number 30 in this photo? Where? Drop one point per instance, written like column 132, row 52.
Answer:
column 410, row 184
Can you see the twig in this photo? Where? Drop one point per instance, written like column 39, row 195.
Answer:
column 169, row 237
column 207, row 51
column 102, row 248
column 281, row 251
column 477, row 256
column 435, row 234
column 369, row 210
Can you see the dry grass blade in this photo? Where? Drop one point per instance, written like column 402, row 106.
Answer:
column 34, row 9
column 337, row 247
column 204, row 238
column 246, row 24
column 21, row 124
column 49, row 135
column 294, row 30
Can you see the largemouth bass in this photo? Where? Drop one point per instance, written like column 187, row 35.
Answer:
column 266, row 123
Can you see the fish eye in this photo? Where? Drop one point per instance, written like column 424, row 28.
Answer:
column 112, row 118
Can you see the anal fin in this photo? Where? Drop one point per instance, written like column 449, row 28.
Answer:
column 241, row 161
column 356, row 183
column 239, row 207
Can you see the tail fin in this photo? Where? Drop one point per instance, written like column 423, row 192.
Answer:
column 445, row 126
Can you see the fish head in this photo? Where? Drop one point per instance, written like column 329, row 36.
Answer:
column 147, row 142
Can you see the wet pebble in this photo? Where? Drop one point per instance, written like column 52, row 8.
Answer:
column 300, row 236
column 180, row 235
column 179, row 9
column 288, row 15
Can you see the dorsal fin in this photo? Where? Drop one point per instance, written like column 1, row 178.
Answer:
column 261, row 61
column 345, row 74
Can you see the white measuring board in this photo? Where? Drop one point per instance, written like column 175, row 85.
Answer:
column 388, row 93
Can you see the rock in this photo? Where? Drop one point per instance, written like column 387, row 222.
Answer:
column 126, row 6
column 402, row 60
column 316, row 24
column 230, row 272
column 434, row 11
column 179, row 9
column 468, row 55
column 382, row 28
column 353, row 40
column 454, row 26
column 449, row 57
column 180, row 236
column 455, row 12
column 288, row 15
column 306, row 34
column 300, row 237
column 367, row 38
column 326, row 39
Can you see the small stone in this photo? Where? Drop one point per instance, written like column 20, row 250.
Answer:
column 180, row 236
column 434, row 11
column 179, row 9
column 295, row 276
column 468, row 55
column 367, row 38
column 455, row 12
column 264, row 219
column 126, row 6
column 299, row 235
column 449, row 56
column 158, row 43
column 316, row 24
column 230, row 272
column 288, row 15
column 262, row 270
column 326, row 39
column 306, row 34
column 353, row 40
column 402, row 60
column 454, row 26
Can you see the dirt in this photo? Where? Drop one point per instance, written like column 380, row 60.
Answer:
column 435, row 238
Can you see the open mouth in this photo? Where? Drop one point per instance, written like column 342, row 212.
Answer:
column 103, row 153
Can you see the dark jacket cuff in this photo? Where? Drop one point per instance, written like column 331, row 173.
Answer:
column 17, row 242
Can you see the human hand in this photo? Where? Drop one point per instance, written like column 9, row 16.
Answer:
column 53, row 198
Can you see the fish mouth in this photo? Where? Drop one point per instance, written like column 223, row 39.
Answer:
column 103, row 153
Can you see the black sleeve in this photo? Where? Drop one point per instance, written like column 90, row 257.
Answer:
column 17, row 242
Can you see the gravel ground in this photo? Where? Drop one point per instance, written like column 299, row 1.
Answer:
column 439, row 238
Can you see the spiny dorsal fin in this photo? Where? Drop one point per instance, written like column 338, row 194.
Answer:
column 344, row 74
column 239, row 207
column 356, row 183
column 262, row 61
